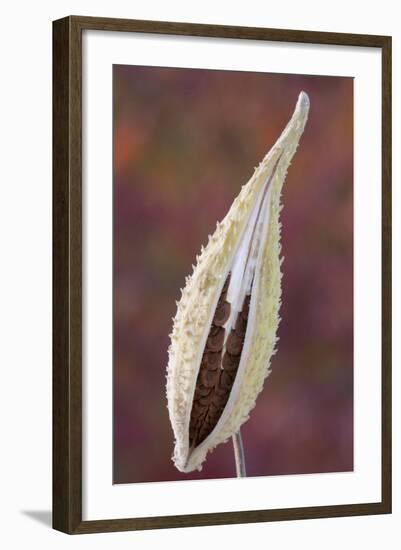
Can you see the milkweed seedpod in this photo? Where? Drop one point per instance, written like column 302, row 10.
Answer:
column 224, row 331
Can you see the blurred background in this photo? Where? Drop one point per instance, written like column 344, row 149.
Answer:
column 185, row 140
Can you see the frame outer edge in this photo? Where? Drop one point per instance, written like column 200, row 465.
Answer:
column 67, row 275
column 386, row 274
column 67, row 278
column 227, row 31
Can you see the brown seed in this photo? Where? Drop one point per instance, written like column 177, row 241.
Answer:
column 226, row 380
column 226, row 283
column 245, row 307
column 234, row 343
column 222, row 395
column 212, row 408
column 215, row 342
column 197, row 410
column 214, row 329
column 241, row 324
column 218, row 394
column 200, row 419
column 204, row 400
column 211, row 360
column 222, row 314
column 230, row 362
column 201, row 391
column 203, row 433
column 209, row 378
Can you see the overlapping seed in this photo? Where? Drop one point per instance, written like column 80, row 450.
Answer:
column 217, row 371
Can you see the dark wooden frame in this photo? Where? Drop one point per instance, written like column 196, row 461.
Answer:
column 67, row 275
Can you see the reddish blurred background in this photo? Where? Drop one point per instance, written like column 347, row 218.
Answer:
column 185, row 140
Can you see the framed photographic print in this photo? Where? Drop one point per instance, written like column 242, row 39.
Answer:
column 222, row 269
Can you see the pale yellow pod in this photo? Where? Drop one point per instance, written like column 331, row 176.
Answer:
column 245, row 244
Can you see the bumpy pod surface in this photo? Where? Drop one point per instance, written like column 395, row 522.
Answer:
column 224, row 331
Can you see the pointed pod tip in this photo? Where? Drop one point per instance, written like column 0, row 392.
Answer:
column 303, row 101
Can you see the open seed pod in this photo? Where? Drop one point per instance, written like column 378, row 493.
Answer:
column 224, row 331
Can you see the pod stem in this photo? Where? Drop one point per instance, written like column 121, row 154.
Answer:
column 239, row 454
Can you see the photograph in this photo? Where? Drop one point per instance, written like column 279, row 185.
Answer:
column 233, row 321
